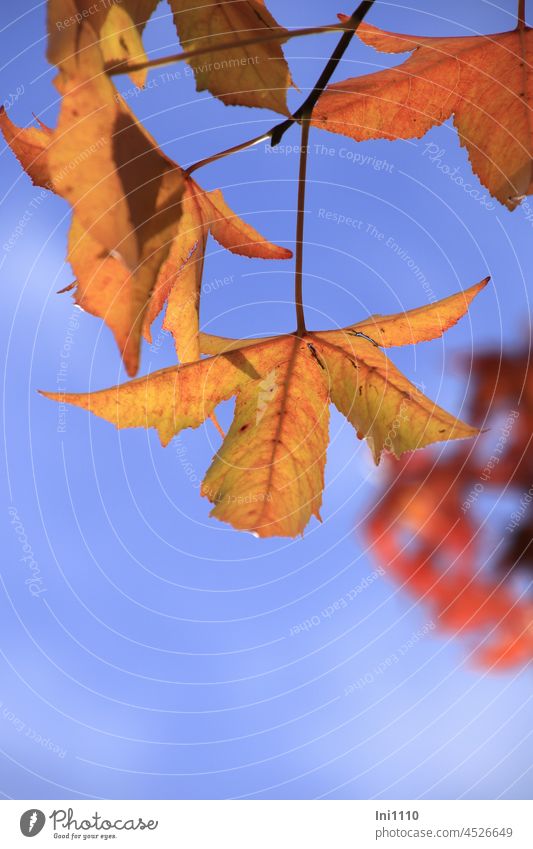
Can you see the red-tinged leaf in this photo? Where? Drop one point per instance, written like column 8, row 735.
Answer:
column 483, row 81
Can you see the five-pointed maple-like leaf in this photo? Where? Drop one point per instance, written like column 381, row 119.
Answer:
column 124, row 222
column 252, row 75
column 119, row 25
column 483, row 81
column 129, row 300
column 268, row 476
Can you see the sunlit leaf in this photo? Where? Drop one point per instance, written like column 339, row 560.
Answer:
column 269, row 473
column 253, row 75
column 118, row 25
column 483, row 81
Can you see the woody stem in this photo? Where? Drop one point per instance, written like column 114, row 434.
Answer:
column 309, row 103
column 223, row 153
column 298, row 269
column 275, row 134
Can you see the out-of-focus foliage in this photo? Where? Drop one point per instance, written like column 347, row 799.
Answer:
column 457, row 530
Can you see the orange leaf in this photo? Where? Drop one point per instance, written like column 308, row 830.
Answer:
column 483, row 81
column 180, row 278
column 269, row 473
column 170, row 267
column 119, row 25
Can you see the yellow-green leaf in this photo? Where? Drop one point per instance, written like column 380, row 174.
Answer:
column 421, row 324
column 250, row 75
column 384, row 407
column 268, row 475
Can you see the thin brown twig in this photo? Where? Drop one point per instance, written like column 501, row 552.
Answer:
column 112, row 69
column 276, row 133
column 350, row 26
column 303, row 114
column 223, row 153
column 298, row 265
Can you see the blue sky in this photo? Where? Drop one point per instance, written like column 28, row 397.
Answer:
column 160, row 659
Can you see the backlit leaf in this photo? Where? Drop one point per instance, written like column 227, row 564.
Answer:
column 180, row 278
column 484, row 81
column 269, row 473
column 171, row 262
column 253, row 75
column 118, row 24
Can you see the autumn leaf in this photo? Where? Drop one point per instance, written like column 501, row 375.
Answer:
column 268, row 476
column 441, row 566
column 125, row 192
column 455, row 530
column 118, row 24
column 123, row 223
column 171, row 264
column 483, row 81
column 252, row 75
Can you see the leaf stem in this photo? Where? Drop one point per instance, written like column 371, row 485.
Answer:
column 223, row 153
column 303, row 115
column 116, row 68
column 521, row 15
column 298, row 267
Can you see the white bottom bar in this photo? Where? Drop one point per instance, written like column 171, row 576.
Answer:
column 269, row 824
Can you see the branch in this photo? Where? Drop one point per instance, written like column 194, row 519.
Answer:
column 276, row 133
column 309, row 103
column 129, row 67
column 223, row 153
